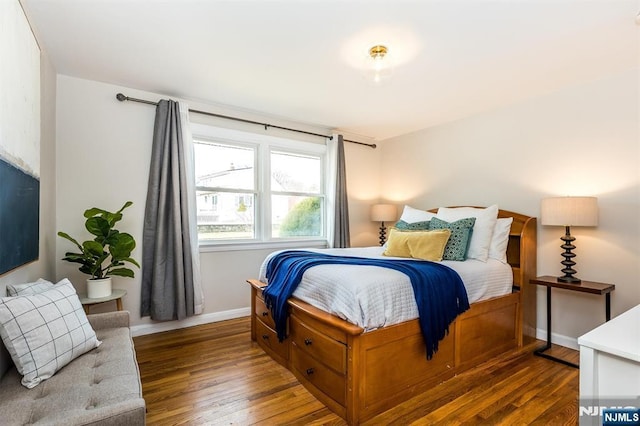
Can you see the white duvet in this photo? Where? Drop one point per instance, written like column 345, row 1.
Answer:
column 373, row 296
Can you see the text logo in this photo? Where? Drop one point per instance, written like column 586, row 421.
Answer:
column 620, row 416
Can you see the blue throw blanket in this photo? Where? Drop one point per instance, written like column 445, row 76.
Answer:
column 438, row 289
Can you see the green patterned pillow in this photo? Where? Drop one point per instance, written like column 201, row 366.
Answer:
column 456, row 248
column 416, row 226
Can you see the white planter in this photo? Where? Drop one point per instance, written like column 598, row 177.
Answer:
column 99, row 288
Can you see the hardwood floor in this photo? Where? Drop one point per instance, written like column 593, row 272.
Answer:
column 213, row 374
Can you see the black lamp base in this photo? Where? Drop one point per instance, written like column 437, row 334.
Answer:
column 568, row 262
column 383, row 234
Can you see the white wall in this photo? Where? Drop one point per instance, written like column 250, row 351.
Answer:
column 102, row 157
column 363, row 182
column 583, row 140
column 102, row 154
column 20, row 88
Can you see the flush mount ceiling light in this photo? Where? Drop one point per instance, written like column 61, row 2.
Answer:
column 378, row 52
column 379, row 66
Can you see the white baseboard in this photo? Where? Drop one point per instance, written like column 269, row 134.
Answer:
column 558, row 339
column 157, row 327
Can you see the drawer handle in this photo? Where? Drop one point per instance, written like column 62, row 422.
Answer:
column 265, row 314
column 309, row 371
column 265, row 336
column 308, row 342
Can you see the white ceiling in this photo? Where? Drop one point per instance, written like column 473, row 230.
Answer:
column 299, row 59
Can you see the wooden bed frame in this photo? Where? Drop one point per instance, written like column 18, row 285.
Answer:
column 359, row 375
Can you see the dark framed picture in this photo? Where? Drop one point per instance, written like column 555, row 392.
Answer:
column 19, row 217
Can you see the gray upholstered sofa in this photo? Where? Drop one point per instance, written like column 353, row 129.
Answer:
column 101, row 387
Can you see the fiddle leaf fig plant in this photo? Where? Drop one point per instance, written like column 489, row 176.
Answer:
column 108, row 253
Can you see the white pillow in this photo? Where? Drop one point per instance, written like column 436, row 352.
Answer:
column 482, row 230
column 44, row 332
column 411, row 215
column 500, row 239
column 28, row 288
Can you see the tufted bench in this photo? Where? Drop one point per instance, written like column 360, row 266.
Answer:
column 101, row 387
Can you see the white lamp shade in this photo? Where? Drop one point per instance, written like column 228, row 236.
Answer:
column 569, row 211
column 383, row 212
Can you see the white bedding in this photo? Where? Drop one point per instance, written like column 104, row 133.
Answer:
column 373, row 296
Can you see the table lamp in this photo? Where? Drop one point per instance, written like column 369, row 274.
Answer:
column 568, row 212
column 383, row 213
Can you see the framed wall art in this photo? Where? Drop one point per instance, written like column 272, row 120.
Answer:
column 19, row 139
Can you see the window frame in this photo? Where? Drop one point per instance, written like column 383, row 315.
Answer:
column 263, row 146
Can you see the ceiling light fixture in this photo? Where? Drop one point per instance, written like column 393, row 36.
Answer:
column 379, row 64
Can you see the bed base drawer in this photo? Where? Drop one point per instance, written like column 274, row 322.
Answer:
column 319, row 375
column 263, row 313
column 330, row 352
column 268, row 340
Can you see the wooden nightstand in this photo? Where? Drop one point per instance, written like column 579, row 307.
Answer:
column 583, row 287
column 116, row 294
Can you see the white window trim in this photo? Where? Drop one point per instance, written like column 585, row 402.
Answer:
column 244, row 245
column 264, row 144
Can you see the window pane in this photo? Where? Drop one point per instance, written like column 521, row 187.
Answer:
column 224, row 166
column 296, row 216
column 295, row 173
column 225, row 215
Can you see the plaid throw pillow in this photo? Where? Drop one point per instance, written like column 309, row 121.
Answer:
column 28, row 288
column 44, row 332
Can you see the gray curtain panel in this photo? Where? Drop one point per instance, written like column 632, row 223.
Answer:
column 167, row 267
column 341, row 229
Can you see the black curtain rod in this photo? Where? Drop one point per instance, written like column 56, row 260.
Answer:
column 123, row 98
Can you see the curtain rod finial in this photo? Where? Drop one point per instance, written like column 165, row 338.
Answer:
column 121, row 97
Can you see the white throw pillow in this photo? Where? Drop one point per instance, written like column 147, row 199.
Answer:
column 29, row 288
column 411, row 215
column 482, row 230
column 44, row 332
column 500, row 239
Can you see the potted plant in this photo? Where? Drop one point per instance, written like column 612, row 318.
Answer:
column 106, row 254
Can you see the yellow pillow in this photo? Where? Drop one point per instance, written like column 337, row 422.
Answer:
column 397, row 244
column 426, row 245
column 429, row 246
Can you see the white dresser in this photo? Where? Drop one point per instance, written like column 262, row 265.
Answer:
column 610, row 364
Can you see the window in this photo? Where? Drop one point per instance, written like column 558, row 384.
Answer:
column 296, row 204
column 225, row 188
column 256, row 188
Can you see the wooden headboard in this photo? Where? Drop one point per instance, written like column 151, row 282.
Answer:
column 522, row 256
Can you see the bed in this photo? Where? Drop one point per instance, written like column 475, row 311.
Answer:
column 359, row 372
